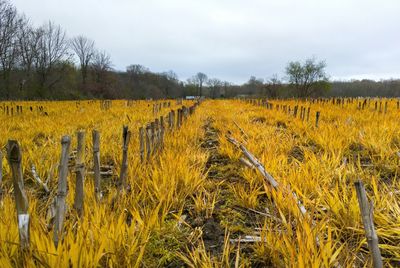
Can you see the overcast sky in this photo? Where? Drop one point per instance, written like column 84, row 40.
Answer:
column 231, row 39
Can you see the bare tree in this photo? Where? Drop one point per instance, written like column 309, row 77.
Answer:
column 28, row 45
column 136, row 69
column 84, row 49
column 52, row 51
column 9, row 20
column 254, row 85
column 172, row 80
column 101, row 64
column 215, row 87
column 272, row 86
column 199, row 80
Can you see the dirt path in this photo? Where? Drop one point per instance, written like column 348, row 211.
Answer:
column 223, row 175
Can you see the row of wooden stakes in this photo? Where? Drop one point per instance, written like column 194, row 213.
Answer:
column 10, row 111
column 155, row 132
column 304, row 112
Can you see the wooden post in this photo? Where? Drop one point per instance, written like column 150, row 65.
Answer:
column 308, row 113
column 96, row 164
column 170, row 120
column 148, row 141
column 1, row 174
column 62, row 189
column 173, row 118
column 141, row 143
column 152, row 137
column 368, row 221
column 180, row 119
column 126, row 135
column 21, row 201
column 161, row 131
column 157, row 134
column 317, row 118
column 80, row 173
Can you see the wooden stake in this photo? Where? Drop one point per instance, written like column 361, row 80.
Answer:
column 368, row 221
column 126, row 135
column 96, row 164
column 80, row 173
column 161, row 131
column 317, row 119
column 170, row 120
column 1, row 174
column 141, row 143
column 156, row 134
column 152, row 137
column 180, row 117
column 62, row 189
column 21, row 201
column 148, row 142
column 173, row 119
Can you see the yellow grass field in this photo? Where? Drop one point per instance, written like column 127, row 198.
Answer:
column 195, row 203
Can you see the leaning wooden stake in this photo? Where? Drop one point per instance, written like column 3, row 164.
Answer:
column 80, row 173
column 96, row 164
column 126, row 135
column 368, row 221
column 62, row 189
column 21, row 201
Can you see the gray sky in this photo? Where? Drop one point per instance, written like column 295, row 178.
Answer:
column 231, row 39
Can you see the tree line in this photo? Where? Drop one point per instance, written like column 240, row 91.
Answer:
column 44, row 63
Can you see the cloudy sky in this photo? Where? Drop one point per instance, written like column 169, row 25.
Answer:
column 232, row 39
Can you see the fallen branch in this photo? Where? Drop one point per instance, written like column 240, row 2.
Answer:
column 255, row 162
column 38, row 180
column 245, row 162
column 241, row 130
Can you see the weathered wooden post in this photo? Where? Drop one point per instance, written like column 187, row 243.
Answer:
column 173, row 118
column 148, row 141
column 80, row 173
column 141, row 143
column 317, row 118
column 126, row 135
column 161, row 131
column 21, row 201
column 1, row 174
column 157, row 134
column 170, row 120
column 62, row 189
column 96, row 164
column 180, row 118
column 368, row 221
column 152, row 137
